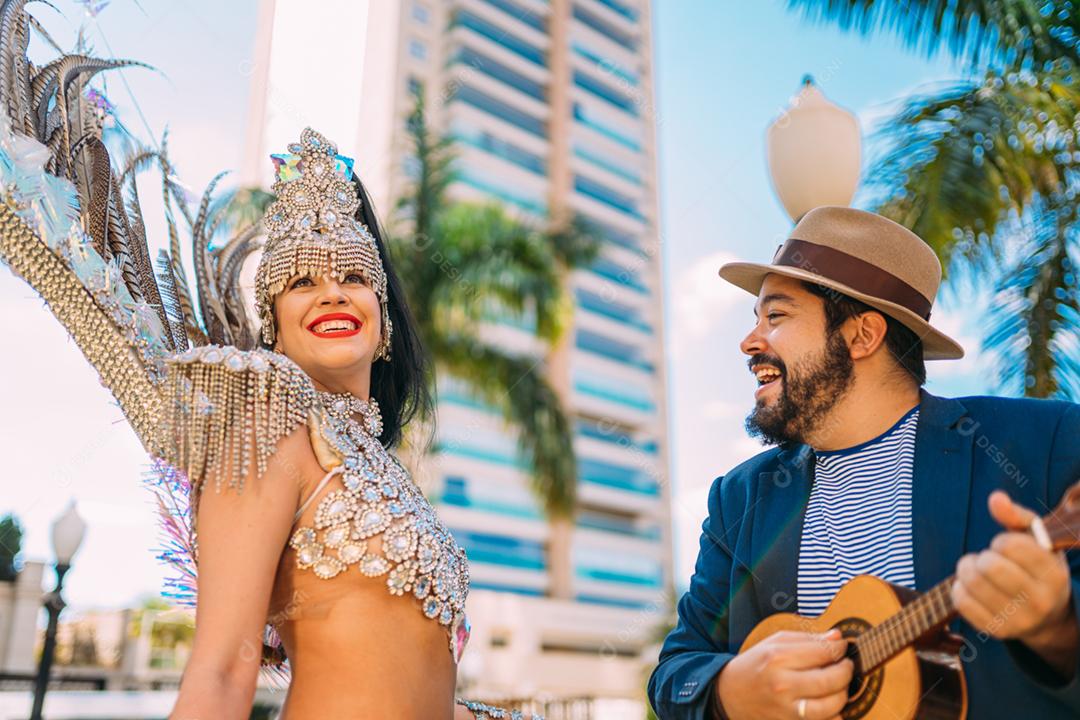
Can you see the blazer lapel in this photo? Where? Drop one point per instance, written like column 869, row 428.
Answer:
column 941, row 488
column 778, row 514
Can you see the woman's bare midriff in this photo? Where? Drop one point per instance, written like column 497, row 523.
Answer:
column 356, row 651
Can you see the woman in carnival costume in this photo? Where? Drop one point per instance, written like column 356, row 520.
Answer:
column 309, row 540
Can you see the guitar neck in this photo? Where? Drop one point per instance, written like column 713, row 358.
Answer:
column 1060, row 530
column 926, row 614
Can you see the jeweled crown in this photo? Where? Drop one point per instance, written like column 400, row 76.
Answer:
column 312, row 229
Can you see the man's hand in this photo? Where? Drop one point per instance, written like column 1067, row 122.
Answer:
column 1019, row 590
column 772, row 679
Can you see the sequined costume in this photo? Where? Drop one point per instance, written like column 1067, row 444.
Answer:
column 180, row 357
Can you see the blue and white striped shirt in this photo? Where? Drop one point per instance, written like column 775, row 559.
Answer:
column 858, row 521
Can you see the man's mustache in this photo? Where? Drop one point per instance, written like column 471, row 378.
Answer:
column 766, row 359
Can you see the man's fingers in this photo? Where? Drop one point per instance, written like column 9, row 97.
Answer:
column 812, row 654
column 822, row 682
column 972, row 573
column 1005, row 574
column 1007, row 513
column 970, row 608
column 794, row 636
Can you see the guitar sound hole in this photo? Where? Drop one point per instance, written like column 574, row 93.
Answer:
column 864, row 689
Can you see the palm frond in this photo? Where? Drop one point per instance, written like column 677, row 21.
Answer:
column 962, row 160
column 1033, row 329
column 1015, row 33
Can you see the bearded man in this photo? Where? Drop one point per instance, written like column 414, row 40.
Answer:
column 873, row 475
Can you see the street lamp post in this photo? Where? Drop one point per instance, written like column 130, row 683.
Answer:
column 67, row 535
column 814, row 153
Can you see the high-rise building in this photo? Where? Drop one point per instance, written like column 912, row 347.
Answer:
column 552, row 106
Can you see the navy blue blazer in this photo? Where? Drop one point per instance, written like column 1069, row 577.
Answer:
column 964, row 448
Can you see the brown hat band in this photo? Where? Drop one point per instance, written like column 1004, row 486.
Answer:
column 857, row 274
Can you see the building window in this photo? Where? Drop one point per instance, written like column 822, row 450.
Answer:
column 612, row 166
column 611, row 349
column 506, row 150
column 602, row 63
column 520, row 13
column 623, row 9
column 501, row 37
column 605, row 28
column 611, row 309
column 420, row 13
column 605, row 92
column 501, row 110
column 417, row 49
column 502, row 73
column 582, row 115
column 617, row 476
column 606, row 268
column 502, row 550
column 604, row 194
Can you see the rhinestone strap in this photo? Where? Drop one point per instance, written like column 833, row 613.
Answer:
column 482, row 711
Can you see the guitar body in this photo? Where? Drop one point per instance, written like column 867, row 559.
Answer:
column 923, row 681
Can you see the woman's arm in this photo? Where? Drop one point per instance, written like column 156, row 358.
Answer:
column 241, row 537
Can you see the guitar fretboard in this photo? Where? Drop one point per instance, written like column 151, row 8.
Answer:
column 920, row 616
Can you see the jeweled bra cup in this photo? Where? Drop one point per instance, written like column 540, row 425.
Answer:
column 375, row 497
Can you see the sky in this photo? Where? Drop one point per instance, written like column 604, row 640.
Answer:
column 725, row 70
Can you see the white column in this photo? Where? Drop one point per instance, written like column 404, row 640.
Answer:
column 26, row 604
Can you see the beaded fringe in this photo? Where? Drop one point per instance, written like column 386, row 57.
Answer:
column 484, row 712
column 230, row 407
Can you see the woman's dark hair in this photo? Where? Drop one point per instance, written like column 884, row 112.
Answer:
column 905, row 346
column 400, row 386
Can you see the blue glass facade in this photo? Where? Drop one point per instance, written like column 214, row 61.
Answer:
column 610, row 270
column 501, row 110
column 611, row 309
column 623, row 9
column 504, row 149
column 605, row 92
column 606, row 347
column 597, row 23
column 495, row 34
column 494, row 69
column 520, row 13
column 502, row 550
column 612, row 166
column 612, row 198
column 604, row 389
column 604, row 64
column 631, row 479
column 581, row 114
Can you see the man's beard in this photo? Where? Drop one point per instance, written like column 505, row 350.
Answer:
column 807, row 394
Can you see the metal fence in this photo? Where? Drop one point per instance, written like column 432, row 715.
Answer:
column 25, row 682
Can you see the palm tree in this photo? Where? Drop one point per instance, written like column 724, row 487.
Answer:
column 985, row 170
column 11, row 534
column 466, row 263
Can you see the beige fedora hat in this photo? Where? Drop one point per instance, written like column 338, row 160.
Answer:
column 867, row 257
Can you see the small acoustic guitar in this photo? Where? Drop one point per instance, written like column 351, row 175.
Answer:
column 907, row 664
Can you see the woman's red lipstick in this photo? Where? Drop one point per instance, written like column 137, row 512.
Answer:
column 335, row 333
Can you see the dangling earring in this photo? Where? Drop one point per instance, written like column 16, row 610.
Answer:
column 383, row 351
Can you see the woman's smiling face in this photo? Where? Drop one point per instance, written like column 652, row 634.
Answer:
column 330, row 328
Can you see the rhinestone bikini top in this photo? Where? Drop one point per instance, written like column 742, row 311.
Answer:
column 376, row 496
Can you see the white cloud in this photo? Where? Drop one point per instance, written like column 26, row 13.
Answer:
column 699, row 299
